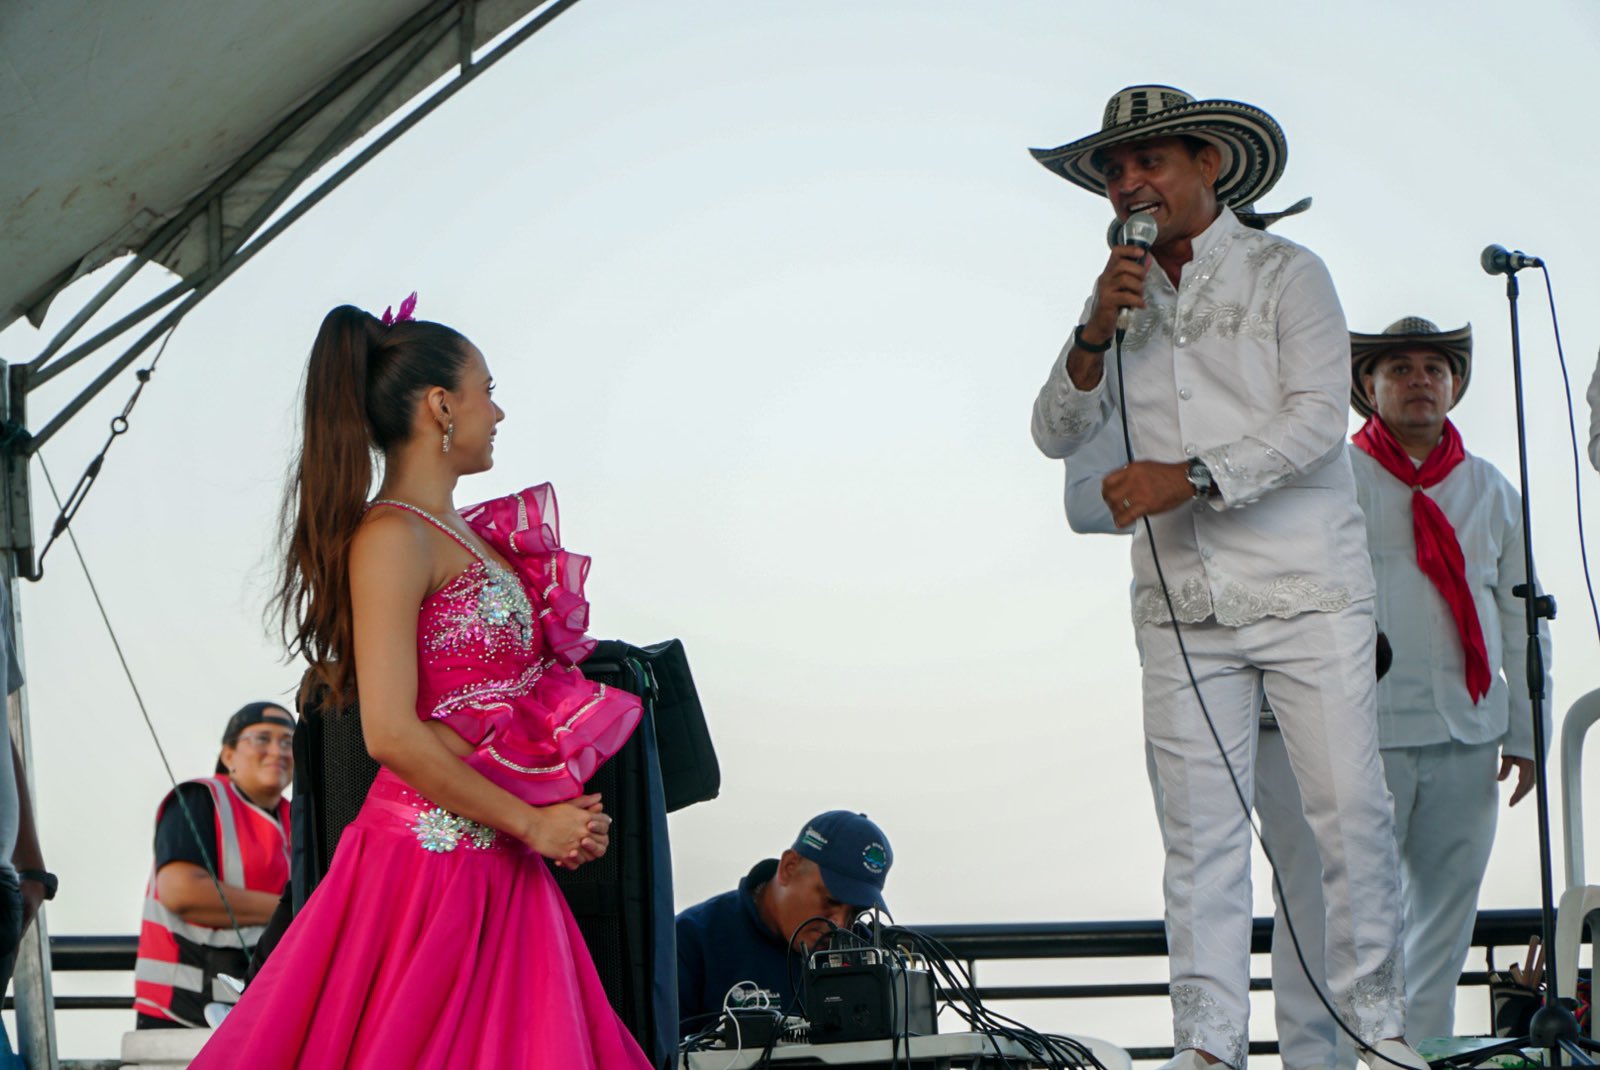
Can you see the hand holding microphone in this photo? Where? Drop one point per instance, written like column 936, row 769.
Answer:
column 1140, row 232
column 1119, row 289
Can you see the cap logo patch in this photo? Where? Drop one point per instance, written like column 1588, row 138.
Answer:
column 813, row 839
column 874, row 858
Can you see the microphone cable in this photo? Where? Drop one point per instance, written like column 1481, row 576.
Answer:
column 1577, row 465
column 1222, row 751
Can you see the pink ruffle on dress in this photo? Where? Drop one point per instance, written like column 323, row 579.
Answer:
column 434, row 941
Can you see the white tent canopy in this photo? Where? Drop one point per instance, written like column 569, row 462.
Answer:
column 167, row 128
column 182, row 133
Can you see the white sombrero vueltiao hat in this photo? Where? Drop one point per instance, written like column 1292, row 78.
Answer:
column 1407, row 332
column 1251, row 142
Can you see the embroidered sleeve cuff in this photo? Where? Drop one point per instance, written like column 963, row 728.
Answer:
column 1064, row 417
column 1067, row 390
column 1243, row 471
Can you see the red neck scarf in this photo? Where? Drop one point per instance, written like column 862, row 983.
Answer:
column 1438, row 550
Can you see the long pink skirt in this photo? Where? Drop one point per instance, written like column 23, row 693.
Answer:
column 410, row 957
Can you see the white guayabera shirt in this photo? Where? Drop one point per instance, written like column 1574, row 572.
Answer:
column 1424, row 700
column 1246, row 365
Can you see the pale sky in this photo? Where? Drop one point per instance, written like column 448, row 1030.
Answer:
column 768, row 290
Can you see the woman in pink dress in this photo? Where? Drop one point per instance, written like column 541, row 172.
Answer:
column 438, row 937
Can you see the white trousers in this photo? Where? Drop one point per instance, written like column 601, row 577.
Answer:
column 1316, row 670
column 1446, row 806
column 1308, row 1039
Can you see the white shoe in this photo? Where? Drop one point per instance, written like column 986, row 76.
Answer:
column 1190, row 1059
column 1393, row 1055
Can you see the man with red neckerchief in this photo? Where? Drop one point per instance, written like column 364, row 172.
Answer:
column 1445, row 535
column 1444, row 530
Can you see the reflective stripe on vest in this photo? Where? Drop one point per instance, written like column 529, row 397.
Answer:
column 230, row 866
column 172, row 974
column 203, row 935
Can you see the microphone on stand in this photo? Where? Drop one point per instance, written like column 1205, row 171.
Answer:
column 1498, row 260
column 1138, row 231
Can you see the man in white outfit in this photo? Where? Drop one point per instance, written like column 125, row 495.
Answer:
column 1308, row 1039
column 1453, row 714
column 1237, row 373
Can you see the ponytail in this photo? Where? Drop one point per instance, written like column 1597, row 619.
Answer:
column 361, row 389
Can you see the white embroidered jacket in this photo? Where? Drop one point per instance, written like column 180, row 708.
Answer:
column 1246, row 364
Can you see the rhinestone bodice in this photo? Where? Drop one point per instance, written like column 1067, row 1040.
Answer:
column 475, row 639
column 497, row 650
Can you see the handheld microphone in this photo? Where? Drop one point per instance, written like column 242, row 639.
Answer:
column 1139, row 231
column 1498, row 260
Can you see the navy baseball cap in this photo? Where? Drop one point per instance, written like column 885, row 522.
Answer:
column 853, row 854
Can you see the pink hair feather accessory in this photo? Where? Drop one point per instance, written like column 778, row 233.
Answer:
column 407, row 307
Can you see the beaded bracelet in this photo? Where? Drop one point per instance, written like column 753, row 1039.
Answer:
column 1077, row 340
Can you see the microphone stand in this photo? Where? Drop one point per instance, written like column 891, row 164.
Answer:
column 1554, row 1027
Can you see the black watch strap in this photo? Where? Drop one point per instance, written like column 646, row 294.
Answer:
column 1205, row 485
column 42, row 876
column 1077, row 340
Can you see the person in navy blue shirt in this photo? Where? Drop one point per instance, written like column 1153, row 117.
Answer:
column 834, row 871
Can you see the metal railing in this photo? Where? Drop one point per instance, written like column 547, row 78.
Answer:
column 1148, row 939
column 973, row 944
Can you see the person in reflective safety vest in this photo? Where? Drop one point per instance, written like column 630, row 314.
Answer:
column 236, row 822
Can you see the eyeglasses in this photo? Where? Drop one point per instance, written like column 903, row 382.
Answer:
column 263, row 740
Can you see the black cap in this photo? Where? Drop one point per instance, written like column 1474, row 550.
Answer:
column 252, row 714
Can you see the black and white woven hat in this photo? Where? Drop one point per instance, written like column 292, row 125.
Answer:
column 1252, row 144
column 1408, row 332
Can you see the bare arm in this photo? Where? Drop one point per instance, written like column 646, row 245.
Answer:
column 188, row 891
column 27, row 854
column 391, row 571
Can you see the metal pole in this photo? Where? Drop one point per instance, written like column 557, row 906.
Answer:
column 35, row 997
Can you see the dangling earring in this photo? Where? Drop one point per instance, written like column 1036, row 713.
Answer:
column 449, row 432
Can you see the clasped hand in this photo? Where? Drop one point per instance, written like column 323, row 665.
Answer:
column 1146, row 488
column 570, row 833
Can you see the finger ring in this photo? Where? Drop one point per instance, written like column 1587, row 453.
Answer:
column 1127, row 504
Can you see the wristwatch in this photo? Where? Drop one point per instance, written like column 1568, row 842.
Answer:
column 42, row 876
column 1200, row 478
